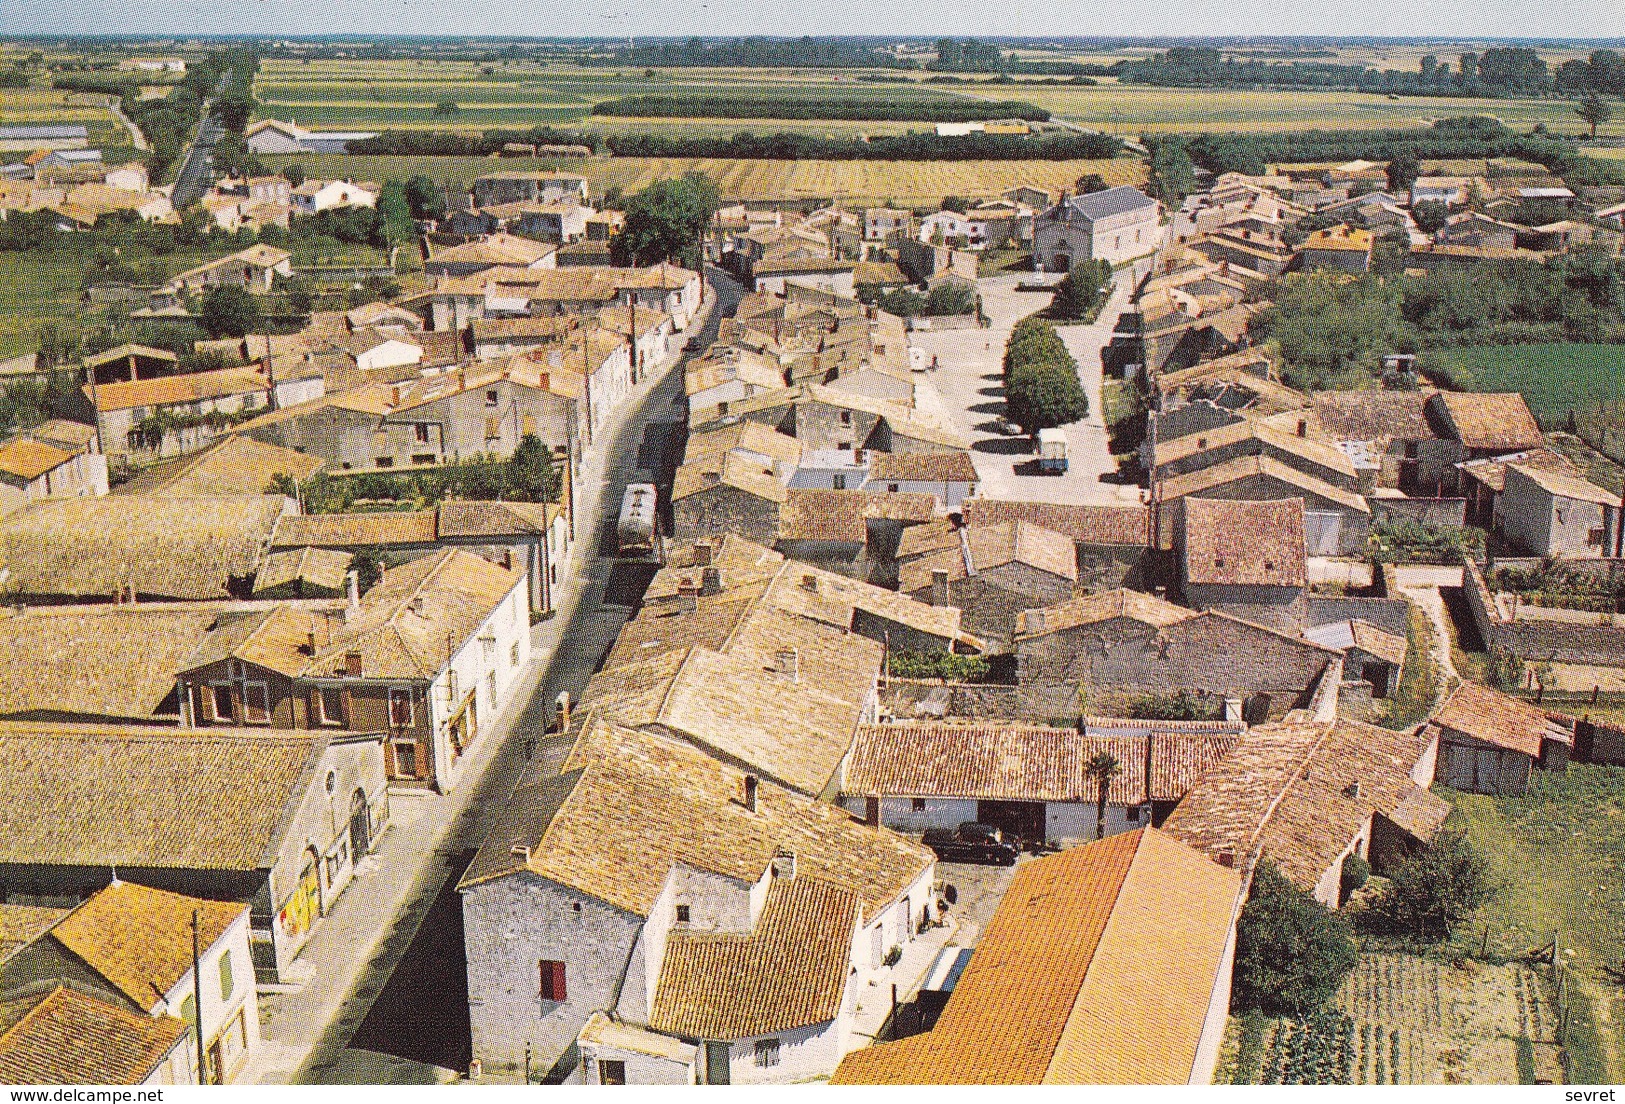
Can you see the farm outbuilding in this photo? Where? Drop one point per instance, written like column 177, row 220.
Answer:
column 1491, row 743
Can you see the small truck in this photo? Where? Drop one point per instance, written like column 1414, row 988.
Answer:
column 1051, row 451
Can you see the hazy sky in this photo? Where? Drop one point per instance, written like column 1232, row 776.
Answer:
column 1526, row 18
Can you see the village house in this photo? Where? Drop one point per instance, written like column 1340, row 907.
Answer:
column 132, row 946
column 993, row 573
column 1490, row 742
column 1453, row 191
column 126, row 547
column 1373, row 659
column 1307, row 794
column 1337, row 522
column 1381, row 432
column 272, row 819
column 1339, row 248
column 493, row 189
column 684, row 924
column 1482, row 481
column 1472, row 425
column 508, row 292
column 1113, row 542
column 727, row 374
column 1245, row 559
column 529, row 536
column 1030, row 781
column 167, row 416
column 1093, row 653
column 47, row 136
column 57, row 1035
column 1284, row 437
column 85, row 203
column 1552, row 513
column 234, row 465
column 275, row 136
column 255, row 269
column 949, row 477
column 315, row 196
column 1117, row 224
column 1105, row 964
column 491, row 250
column 33, row 467
column 303, row 573
column 429, row 655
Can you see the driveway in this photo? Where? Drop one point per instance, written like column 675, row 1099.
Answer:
column 969, row 376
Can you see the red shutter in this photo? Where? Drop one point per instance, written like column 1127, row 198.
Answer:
column 553, row 987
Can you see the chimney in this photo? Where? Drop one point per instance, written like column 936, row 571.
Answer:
column 809, row 583
column 752, row 784
column 702, row 553
column 352, row 664
column 352, row 586
column 521, row 852
column 462, row 379
column 688, row 595
column 561, row 709
column 395, row 395
column 1226, row 857
column 710, row 581
column 871, row 811
column 787, row 661
column 939, row 586
column 417, row 604
column 1232, row 710
column 784, row 863
column 310, row 642
column 1303, row 427
column 1352, row 790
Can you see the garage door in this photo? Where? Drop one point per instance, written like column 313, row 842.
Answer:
column 1322, row 531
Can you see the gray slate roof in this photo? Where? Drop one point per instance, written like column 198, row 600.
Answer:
column 19, row 133
column 1112, row 201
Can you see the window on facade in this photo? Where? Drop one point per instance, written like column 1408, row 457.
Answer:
column 553, row 985
column 611, row 1072
column 330, row 705
column 513, row 655
column 682, row 914
column 846, row 417
column 767, row 1053
column 400, row 708
column 919, row 805
column 490, row 398
column 227, row 982
column 892, row 487
column 422, row 431
column 222, row 702
column 406, row 759
column 385, row 461
column 423, row 458
column 256, row 703
column 839, row 482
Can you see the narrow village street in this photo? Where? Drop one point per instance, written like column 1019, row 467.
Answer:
column 383, row 996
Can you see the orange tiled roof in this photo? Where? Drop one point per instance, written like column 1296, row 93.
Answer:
column 67, row 1037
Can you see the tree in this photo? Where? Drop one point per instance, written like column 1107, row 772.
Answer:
column 1292, row 952
column 1430, row 214
column 368, row 565
column 229, row 311
column 1041, row 396
column 957, row 204
column 1595, row 111
column 903, row 302
column 294, row 173
column 1102, row 768
column 233, row 110
column 1091, row 182
column 424, row 197
column 1403, row 169
column 667, row 221
column 531, row 474
column 446, row 107
column 950, row 298
column 1078, row 293
column 1434, row 889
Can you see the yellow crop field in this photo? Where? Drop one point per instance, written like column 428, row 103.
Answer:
column 908, row 182
column 19, row 106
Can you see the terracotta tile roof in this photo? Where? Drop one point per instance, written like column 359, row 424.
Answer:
column 926, row 467
column 789, row 972
column 69, row 1038
column 20, row 925
column 71, row 436
column 170, row 390
column 26, row 458
column 1094, row 608
column 737, row 471
column 1277, row 432
column 140, row 939
column 660, row 629
column 95, row 661
column 1494, row 718
column 1299, row 792
column 836, row 600
column 740, row 563
column 1492, row 472
column 911, row 506
column 1340, row 238
column 235, row 466
column 782, row 724
column 1084, row 524
column 354, row 530
column 633, row 804
column 1098, row 968
column 468, row 518
column 1232, row 543
column 181, row 548
column 1383, row 645
column 319, row 567
column 810, row 514
column 1564, row 485
column 747, row 436
column 921, row 540
column 1372, row 415
column 1247, row 467
column 1499, row 422
column 600, row 1030
column 992, row 546
column 97, row 795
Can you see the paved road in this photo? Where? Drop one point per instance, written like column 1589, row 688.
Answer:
column 195, row 174
column 385, row 999
column 969, row 374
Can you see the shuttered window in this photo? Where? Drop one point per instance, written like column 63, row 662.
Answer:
column 553, row 986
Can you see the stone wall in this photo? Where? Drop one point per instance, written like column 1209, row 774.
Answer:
column 1450, row 512
column 723, row 509
column 1596, row 640
column 1278, row 608
column 1388, row 614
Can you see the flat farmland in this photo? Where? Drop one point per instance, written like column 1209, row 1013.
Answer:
column 1144, row 109
column 908, row 182
column 21, row 106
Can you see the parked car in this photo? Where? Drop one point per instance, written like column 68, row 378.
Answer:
column 1051, row 449
column 973, row 843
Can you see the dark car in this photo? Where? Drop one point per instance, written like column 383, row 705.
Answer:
column 973, row 843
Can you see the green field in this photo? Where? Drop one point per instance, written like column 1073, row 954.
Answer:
column 1556, row 853
column 1553, row 379
column 32, row 294
column 20, row 106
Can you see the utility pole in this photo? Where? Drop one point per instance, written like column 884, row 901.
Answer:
column 197, row 998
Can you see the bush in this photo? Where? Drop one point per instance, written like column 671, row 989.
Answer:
column 1433, row 890
column 229, row 311
column 1031, row 342
column 1401, row 541
column 1355, row 872
column 1078, row 294
column 1041, row 396
column 1182, row 705
column 1292, row 952
column 943, row 665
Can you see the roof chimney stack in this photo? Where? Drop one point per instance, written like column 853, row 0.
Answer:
column 871, row 811
column 702, row 553
column 1226, row 857
column 352, row 664
column 752, row 784
column 561, row 709
column 710, row 581
column 352, row 586
column 788, row 663
column 688, row 595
